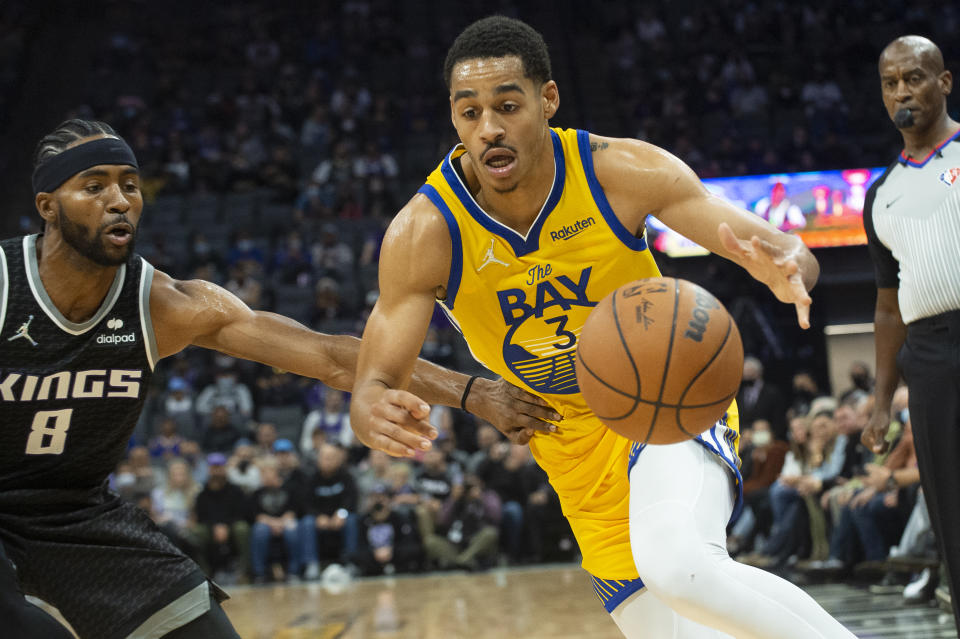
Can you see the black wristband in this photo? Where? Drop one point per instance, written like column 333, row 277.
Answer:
column 466, row 391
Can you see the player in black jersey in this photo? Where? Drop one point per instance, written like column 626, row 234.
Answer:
column 83, row 321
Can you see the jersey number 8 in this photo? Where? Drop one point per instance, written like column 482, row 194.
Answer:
column 47, row 439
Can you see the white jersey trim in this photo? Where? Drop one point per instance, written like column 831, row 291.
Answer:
column 146, row 323
column 4, row 288
column 179, row 612
column 47, row 305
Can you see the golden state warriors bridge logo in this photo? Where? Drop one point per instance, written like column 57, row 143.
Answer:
column 544, row 321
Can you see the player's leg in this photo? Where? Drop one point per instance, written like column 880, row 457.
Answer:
column 681, row 497
column 90, row 563
column 213, row 624
column 643, row 616
column 20, row 618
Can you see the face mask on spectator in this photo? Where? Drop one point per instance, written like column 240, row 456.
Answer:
column 761, row 438
column 125, row 479
column 904, row 415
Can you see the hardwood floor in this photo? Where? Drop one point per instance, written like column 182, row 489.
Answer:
column 544, row 602
column 553, row 602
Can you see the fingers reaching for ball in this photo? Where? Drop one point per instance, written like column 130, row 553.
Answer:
column 769, row 263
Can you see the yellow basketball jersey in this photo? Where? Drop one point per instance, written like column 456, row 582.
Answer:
column 521, row 302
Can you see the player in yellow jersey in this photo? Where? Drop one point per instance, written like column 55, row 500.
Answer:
column 519, row 232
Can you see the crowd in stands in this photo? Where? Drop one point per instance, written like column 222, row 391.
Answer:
column 819, row 504
column 256, row 500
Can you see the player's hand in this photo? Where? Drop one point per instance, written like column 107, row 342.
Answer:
column 773, row 266
column 398, row 424
column 874, row 436
column 513, row 411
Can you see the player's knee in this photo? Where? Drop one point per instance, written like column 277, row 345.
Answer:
column 670, row 563
column 676, row 582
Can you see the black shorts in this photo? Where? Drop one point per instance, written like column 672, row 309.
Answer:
column 101, row 561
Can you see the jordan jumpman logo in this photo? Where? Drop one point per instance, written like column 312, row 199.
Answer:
column 24, row 332
column 490, row 258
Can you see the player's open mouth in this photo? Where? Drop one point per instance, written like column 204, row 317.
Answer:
column 120, row 234
column 499, row 163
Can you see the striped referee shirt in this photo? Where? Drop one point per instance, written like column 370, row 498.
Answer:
column 912, row 218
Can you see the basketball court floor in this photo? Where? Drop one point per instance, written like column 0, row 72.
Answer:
column 544, row 602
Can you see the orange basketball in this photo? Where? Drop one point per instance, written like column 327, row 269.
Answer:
column 659, row 360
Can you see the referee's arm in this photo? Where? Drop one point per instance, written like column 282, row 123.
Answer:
column 888, row 329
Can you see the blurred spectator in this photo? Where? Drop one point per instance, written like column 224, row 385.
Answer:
column 291, row 472
column 327, row 306
column 331, row 256
column 242, row 469
column 174, row 501
column 245, row 254
column 178, row 406
column 376, row 168
column 435, row 481
column 817, row 456
column 333, row 420
column 221, row 436
column 760, row 400
column 805, row 390
column 403, row 487
column 875, row 515
column 266, row 438
column 166, row 445
column 371, row 473
column 824, row 104
column 328, row 530
column 245, row 285
column 436, row 349
column 222, row 529
column 275, row 510
column 292, row 263
column 512, row 474
column 466, row 530
column 442, row 418
column 146, row 475
column 860, row 379
column 335, row 170
column 278, row 389
column 388, row 538
column 228, row 392
column 203, row 253
column 766, row 456
column 487, row 438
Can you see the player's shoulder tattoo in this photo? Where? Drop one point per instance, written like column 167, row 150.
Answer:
column 598, row 146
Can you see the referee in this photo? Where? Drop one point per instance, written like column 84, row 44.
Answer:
column 912, row 220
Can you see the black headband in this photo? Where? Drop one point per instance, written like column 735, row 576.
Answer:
column 61, row 167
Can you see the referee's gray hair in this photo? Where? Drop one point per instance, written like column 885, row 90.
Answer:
column 69, row 131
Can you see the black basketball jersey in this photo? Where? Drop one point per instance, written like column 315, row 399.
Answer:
column 70, row 394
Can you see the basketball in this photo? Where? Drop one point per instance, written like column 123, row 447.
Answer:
column 659, row 360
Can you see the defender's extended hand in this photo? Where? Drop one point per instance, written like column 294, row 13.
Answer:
column 512, row 410
column 773, row 266
column 399, row 424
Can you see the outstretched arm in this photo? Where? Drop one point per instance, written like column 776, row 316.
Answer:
column 414, row 260
column 642, row 180
column 200, row 313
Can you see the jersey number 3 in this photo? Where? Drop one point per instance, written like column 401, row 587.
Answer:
column 48, row 433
